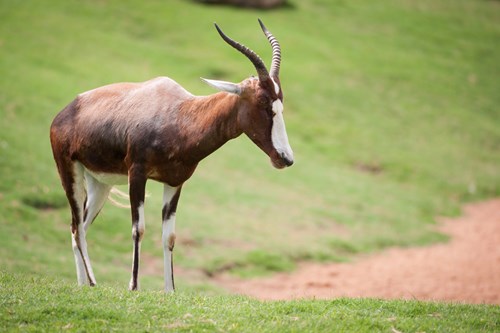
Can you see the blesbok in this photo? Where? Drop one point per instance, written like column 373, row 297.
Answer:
column 131, row 132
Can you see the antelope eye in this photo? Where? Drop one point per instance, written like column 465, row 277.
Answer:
column 269, row 110
column 263, row 102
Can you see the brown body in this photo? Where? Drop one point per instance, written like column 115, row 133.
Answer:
column 155, row 123
column 131, row 132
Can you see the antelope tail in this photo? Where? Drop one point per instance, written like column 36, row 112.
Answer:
column 115, row 196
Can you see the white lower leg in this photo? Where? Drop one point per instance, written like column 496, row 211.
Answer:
column 137, row 231
column 81, row 273
column 84, row 271
column 168, row 240
column 134, row 284
column 170, row 198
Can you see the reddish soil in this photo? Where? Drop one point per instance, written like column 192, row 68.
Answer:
column 465, row 269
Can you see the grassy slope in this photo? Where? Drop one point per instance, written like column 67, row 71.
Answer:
column 42, row 304
column 390, row 107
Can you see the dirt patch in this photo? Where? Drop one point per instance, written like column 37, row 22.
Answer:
column 465, row 269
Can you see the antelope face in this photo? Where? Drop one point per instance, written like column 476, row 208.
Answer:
column 262, row 120
column 261, row 114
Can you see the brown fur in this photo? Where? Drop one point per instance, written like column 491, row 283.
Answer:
column 160, row 125
column 154, row 130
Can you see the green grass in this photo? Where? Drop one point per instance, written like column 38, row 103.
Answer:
column 41, row 304
column 391, row 109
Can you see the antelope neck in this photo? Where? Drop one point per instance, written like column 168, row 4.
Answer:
column 213, row 120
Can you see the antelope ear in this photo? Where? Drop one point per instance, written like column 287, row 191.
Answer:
column 229, row 87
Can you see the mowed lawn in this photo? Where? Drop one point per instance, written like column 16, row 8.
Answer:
column 391, row 109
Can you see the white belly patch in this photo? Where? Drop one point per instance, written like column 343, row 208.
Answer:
column 108, row 178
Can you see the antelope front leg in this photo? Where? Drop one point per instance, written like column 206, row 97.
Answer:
column 137, row 189
column 170, row 199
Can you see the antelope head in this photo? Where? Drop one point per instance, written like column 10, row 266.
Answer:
column 260, row 114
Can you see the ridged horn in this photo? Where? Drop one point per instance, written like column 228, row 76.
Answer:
column 276, row 62
column 251, row 55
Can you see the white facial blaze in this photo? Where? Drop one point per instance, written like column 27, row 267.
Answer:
column 276, row 87
column 278, row 132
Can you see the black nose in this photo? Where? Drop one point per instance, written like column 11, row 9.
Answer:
column 288, row 162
